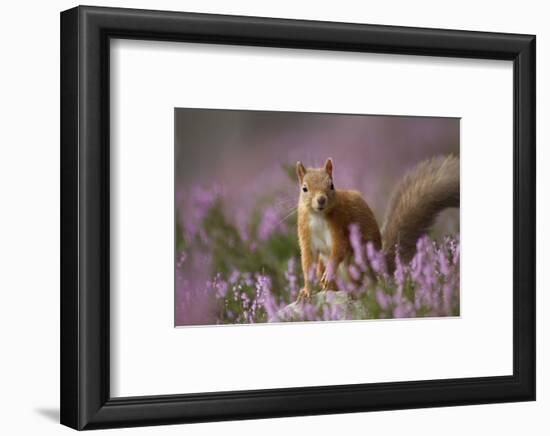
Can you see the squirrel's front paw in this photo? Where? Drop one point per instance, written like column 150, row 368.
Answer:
column 304, row 295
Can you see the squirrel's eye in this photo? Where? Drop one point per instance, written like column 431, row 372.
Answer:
column 304, row 189
column 332, row 186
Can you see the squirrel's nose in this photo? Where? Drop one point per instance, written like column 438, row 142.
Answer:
column 321, row 201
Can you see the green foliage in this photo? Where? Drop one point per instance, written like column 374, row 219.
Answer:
column 221, row 239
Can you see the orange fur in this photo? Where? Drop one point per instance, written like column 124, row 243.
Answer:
column 339, row 210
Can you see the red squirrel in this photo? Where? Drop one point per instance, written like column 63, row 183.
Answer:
column 325, row 215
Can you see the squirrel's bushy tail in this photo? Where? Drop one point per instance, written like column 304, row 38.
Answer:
column 430, row 187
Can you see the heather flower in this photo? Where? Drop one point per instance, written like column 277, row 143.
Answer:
column 383, row 300
column 292, row 278
column 221, row 286
column 443, row 262
column 234, row 276
column 195, row 295
column 448, row 290
column 404, row 310
column 357, row 245
column 202, row 200
column 456, row 253
column 263, row 287
column 354, row 272
column 181, row 259
column 399, row 274
column 248, row 279
column 341, row 283
column 376, row 258
column 270, row 224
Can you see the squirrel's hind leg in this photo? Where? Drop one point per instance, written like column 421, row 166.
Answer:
column 320, row 267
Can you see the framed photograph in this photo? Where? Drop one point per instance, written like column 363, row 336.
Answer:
column 265, row 217
column 261, row 238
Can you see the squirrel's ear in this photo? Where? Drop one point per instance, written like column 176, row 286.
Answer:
column 328, row 166
column 300, row 171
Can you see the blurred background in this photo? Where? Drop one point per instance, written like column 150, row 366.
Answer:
column 236, row 188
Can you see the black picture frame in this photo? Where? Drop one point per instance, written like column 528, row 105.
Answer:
column 85, row 372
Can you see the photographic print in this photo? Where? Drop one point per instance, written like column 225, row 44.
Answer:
column 292, row 217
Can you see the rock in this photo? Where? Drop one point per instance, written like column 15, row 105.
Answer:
column 323, row 306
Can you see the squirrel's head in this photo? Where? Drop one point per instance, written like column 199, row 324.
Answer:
column 316, row 187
